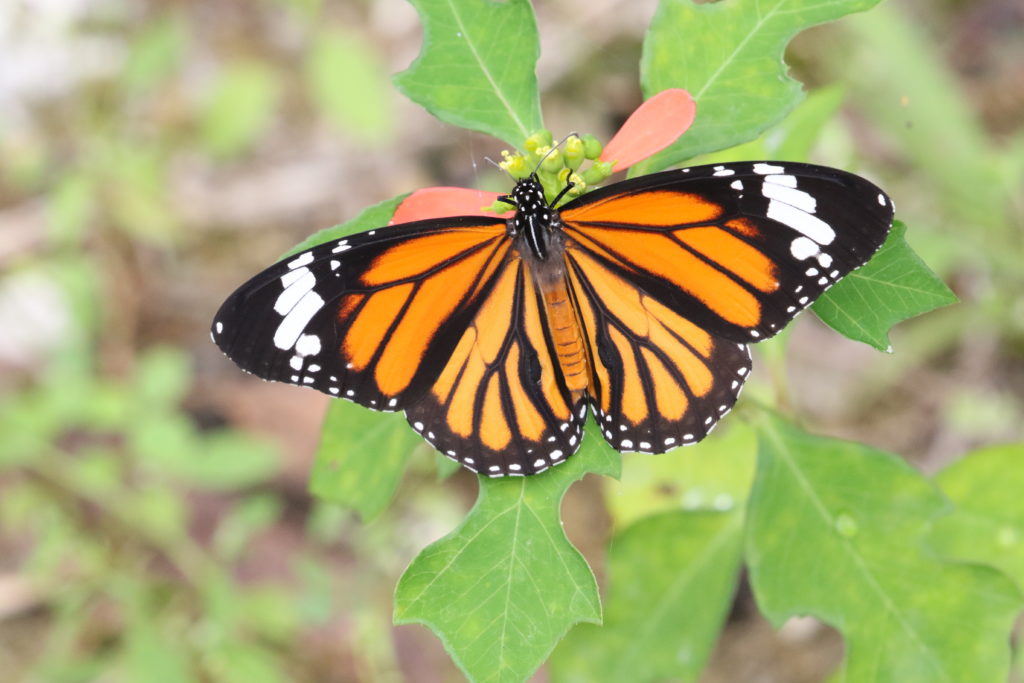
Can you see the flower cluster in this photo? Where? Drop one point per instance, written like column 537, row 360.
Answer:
column 581, row 160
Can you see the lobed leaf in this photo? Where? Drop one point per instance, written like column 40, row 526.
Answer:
column 671, row 581
column 504, row 587
column 729, row 55
column 893, row 286
column 476, row 67
column 835, row 530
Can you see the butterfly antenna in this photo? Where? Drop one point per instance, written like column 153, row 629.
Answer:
column 500, row 167
column 552, row 151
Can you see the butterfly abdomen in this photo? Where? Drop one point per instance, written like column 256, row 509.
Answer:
column 566, row 335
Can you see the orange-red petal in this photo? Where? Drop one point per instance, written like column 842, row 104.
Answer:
column 651, row 128
column 441, row 202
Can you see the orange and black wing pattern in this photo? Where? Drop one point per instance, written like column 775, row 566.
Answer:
column 372, row 317
column 500, row 405
column 674, row 273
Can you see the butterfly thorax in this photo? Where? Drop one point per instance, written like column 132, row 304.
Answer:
column 533, row 217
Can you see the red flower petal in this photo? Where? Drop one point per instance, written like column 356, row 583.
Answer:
column 441, row 202
column 651, row 128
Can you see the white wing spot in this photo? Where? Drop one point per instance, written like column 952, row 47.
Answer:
column 626, row 443
column 302, row 260
column 418, row 426
column 767, row 169
column 295, row 322
column 736, row 185
column 219, row 327
column 719, row 171
column 803, row 248
column 881, row 199
column 296, row 283
column 539, row 462
column 801, row 221
column 335, row 264
column 670, row 440
column 308, row 344
column 295, row 362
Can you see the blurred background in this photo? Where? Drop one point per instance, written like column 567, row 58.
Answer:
column 154, row 518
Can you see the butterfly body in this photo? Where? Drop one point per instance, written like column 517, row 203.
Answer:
column 636, row 301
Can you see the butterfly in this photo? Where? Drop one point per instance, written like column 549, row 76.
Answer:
column 636, row 301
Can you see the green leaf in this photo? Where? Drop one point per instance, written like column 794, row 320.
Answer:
column 346, row 79
column 893, row 286
column 729, row 56
column 154, row 53
column 162, row 378
column 476, row 67
column 241, row 107
column 659, row 569
column 361, row 458
column 836, row 529
column 505, row 586
column 713, row 475
column 987, row 526
column 375, row 216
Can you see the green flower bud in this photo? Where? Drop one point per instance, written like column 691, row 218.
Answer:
column 553, row 161
column 574, row 149
column 542, row 138
column 597, row 172
column 591, row 146
column 515, row 164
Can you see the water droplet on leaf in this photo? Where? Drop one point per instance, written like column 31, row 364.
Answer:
column 846, row 525
column 1008, row 536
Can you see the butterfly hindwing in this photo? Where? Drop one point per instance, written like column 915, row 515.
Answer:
column 659, row 380
column 370, row 317
column 500, row 405
column 739, row 249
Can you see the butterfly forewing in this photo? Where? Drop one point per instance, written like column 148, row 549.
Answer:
column 370, row 317
column 738, row 249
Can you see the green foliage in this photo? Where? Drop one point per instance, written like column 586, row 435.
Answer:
column 893, row 286
column 346, row 79
column 361, row 458
column 729, row 56
column 95, row 469
column 987, row 525
column 836, row 530
column 504, row 587
column 240, row 108
column 672, row 577
column 106, row 475
column 476, row 69
column 371, row 217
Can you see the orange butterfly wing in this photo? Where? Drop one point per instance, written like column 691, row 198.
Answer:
column 675, row 272
column 500, row 405
column 371, row 317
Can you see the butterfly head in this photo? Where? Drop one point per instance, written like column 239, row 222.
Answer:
column 533, row 215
